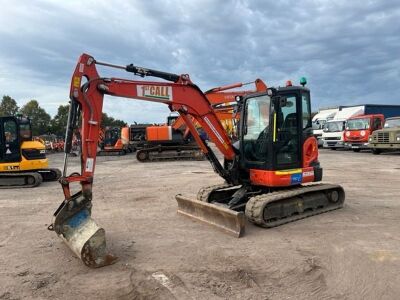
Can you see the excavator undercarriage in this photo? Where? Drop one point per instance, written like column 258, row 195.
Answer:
column 263, row 207
column 27, row 179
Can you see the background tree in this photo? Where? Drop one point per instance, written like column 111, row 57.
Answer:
column 59, row 122
column 8, row 106
column 110, row 121
column 39, row 117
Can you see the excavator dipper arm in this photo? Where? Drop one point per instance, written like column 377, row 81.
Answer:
column 72, row 220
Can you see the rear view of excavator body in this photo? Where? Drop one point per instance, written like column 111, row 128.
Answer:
column 23, row 162
column 271, row 172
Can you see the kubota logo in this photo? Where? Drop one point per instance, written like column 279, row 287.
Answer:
column 154, row 91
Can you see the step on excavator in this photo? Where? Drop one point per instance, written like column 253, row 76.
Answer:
column 271, row 173
column 23, row 162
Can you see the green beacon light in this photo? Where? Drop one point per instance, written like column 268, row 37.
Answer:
column 303, row 81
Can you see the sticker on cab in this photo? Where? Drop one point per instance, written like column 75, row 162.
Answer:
column 77, row 81
column 89, row 165
column 296, row 178
column 308, row 173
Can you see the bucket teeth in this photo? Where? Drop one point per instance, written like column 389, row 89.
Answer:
column 80, row 232
column 230, row 221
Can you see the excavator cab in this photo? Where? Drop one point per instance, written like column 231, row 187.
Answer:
column 23, row 162
column 112, row 135
column 171, row 119
column 275, row 125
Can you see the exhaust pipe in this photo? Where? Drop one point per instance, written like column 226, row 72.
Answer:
column 74, row 225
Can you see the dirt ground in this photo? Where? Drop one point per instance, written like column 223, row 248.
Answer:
column 352, row 253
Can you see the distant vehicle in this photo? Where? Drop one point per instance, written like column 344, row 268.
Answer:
column 23, row 161
column 386, row 139
column 319, row 121
column 333, row 131
column 359, row 128
column 114, row 141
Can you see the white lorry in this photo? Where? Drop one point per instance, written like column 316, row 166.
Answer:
column 319, row 121
column 332, row 136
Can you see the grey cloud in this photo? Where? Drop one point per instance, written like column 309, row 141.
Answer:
column 348, row 50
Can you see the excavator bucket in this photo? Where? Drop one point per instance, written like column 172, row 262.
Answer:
column 74, row 225
column 230, row 221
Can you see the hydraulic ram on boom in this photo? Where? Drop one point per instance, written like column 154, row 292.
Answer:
column 276, row 150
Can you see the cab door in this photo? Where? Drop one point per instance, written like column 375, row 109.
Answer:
column 9, row 140
column 256, row 139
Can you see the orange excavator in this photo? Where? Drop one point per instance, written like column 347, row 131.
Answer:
column 173, row 140
column 169, row 141
column 114, row 141
column 271, row 173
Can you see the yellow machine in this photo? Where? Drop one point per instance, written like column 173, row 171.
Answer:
column 23, row 162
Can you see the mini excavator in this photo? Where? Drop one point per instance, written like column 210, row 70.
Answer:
column 271, row 173
column 23, row 162
column 114, row 141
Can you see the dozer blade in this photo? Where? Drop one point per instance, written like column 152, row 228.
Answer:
column 230, row 221
column 79, row 231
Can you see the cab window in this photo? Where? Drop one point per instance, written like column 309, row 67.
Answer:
column 306, row 108
column 10, row 131
column 256, row 128
column 377, row 123
column 287, row 133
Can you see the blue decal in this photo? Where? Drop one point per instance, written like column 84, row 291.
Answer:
column 296, row 178
column 78, row 219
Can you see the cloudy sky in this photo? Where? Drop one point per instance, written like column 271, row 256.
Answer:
column 348, row 50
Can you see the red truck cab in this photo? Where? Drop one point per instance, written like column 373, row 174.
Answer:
column 359, row 128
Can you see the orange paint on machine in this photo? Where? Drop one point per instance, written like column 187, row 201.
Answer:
column 159, row 133
column 283, row 177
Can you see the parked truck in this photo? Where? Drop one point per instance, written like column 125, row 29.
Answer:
column 359, row 128
column 319, row 121
column 333, row 132
column 387, row 138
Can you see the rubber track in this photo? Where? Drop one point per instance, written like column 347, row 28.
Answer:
column 37, row 176
column 205, row 192
column 255, row 206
